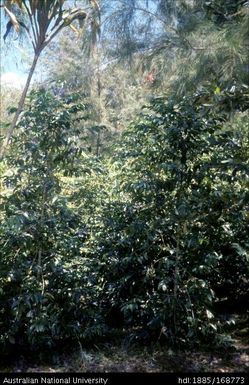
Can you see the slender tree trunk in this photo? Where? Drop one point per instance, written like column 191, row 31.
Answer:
column 20, row 104
column 98, row 144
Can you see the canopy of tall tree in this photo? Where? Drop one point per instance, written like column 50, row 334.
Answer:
column 46, row 19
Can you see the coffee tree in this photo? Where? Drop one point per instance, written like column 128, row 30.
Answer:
column 45, row 278
column 174, row 233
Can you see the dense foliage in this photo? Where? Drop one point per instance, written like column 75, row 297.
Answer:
column 46, row 288
column 141, row 234
column 165, row 242
column 175, row 234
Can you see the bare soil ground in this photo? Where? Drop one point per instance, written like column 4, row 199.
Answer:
column 117, row 359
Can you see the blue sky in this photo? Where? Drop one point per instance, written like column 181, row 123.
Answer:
column 14, row 58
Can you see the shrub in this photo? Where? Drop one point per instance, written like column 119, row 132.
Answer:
column 174, row 233
column 47, row 288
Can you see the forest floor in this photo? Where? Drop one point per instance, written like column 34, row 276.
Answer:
column 117, row 358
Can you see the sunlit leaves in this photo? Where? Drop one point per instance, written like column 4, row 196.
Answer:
column 49, row 288
column 169, row 229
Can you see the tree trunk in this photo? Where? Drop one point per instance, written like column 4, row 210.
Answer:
column 20, row 104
